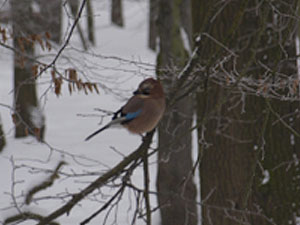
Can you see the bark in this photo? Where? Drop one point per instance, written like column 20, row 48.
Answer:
column 243, row 139
column 90, row 22
column 117, row 13
column 2, row 137
column 186, row 21
column 176, row 189
column 25, row 96
column 153, row 16
column 51, row 18
column 276, row 184
column 227, row 157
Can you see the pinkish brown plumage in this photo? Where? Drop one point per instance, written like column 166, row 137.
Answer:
column 143, row 110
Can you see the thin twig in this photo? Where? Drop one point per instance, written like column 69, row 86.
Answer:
column 45, row 184
column 146, row 185
column 120, row 191
column 281, row 120
column 67, row 39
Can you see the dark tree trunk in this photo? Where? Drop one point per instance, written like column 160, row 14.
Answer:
column 51, row 18
column 153, row 16
column 276, row 183
column 2, row 137
column 186, row 22
column 242, row 139
column 90, row 22
column 25, row 96
column 117, row 13
column 177, row 191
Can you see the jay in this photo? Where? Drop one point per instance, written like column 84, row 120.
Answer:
column 143, row 110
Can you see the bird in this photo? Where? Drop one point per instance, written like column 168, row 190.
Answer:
column 143, row 110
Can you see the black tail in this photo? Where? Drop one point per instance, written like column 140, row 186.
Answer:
column 96, row 132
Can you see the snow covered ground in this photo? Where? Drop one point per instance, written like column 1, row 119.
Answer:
column 118, row 63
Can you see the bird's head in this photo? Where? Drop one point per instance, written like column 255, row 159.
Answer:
column 150, row 88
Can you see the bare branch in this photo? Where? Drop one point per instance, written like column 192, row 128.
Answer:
column 26, row 216
column 45, row 184
column 107, row 204
column 146, row 185
column 113, row 173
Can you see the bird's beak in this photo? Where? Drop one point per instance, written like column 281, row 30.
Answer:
column 136, row 92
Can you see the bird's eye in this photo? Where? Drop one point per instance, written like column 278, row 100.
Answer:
column 146, row 91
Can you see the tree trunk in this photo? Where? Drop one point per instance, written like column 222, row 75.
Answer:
column 176, row 189
column 248, row 171
column 74, row 5
column 276, row 182
column 153, row 16
column 90, row 22
column 51, row 18
column 227, row 157
column 2, row 137
column 117, row 13
column 28, row 121
column 186, row 23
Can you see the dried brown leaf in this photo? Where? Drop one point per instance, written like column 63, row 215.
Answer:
column 20, row 41
column 57, row 86
column 72, row 74
column 35, row 70
column 37, row 132
column 47, row 35
column 4, row 36
column 85, row 88
column 295, row 86
column 96, row 88
column 53, row 75
column 89, row 86
column 40, row 41
column 26, row 131
column 14, row 118
column 70, row 88
column 48, row 45
column 79, row 84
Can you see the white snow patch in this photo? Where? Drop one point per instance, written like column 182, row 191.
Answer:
column 266, row 175
column 292, row 139
column 297, row 219
column 186, row 41
column 37, row 116
column 35, row 7
column 296, row 159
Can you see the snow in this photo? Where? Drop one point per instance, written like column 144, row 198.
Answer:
column 266, row 175
column 185, row 40
column 37, row 117
column 118, row 63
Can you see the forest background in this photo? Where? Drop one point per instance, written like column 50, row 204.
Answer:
column 226, row 151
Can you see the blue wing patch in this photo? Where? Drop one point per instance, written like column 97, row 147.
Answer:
column 133, row 115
